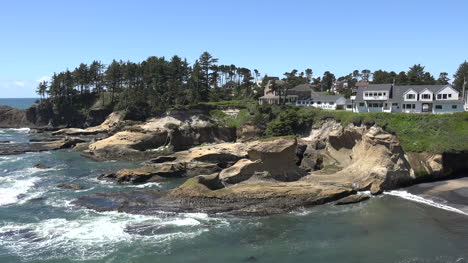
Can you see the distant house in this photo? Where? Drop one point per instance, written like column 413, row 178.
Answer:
column 326, row 102
column 230, row 85
column 407, row 99
column 276, row 96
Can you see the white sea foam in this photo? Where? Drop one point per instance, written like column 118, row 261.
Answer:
column 145, row 185
column 93, row 235
column 419, row 199
column 18, row 186
column 11, row 189
column 20, row 130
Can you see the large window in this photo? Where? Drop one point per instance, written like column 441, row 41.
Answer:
column 454, row 107
column 439, row 96
column 410, row 96
column 426, row 96
column 361, row 104
column 438, row 107
column 444, row 96
column 409, row 106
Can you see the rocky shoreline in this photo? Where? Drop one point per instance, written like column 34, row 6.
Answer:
column 229, row 170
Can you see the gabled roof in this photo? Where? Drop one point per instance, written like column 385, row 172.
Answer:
column 371, row 87
column 303, row 87
column 326, row 98
column 399, row 91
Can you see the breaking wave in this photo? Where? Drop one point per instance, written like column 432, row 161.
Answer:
column 419, row 199
column 96, row 235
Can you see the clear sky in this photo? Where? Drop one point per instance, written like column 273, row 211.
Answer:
column 39, row 38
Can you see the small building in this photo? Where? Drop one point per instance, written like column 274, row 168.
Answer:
column 325, row 102
column 230, row 85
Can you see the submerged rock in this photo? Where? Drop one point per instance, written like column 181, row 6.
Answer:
column 70, row 186
column 41, row 166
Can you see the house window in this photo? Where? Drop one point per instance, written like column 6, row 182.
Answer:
column 410, row 96
column 379, row 94
column 444, row 96
column 394, row 104
column 319, row 102
column 454, row 107
column 332, row 103
column 449, row 95
column 426, row 96
column 439, row 96
column 348, row 106
column 385, row 93
column 438, row 107
column 366, row 94
column 361, row 104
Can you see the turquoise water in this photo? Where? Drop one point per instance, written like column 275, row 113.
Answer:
column 18, row 103
column 38, row 223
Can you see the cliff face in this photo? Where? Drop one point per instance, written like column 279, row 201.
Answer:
column 14, row 118
column 43, row 116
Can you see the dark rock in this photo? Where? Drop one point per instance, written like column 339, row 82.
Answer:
column 71, row 142
column 27, row 234
column 70, row 186
column 250, row 259
column 352, row 199
column 41, row 166
column 162, row 159
column 149, row 230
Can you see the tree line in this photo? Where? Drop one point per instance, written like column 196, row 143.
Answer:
column 155, row 84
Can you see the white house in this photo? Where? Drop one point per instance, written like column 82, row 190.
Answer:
column 408, row 99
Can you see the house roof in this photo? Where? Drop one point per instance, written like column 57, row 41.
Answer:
column 399, row 91
column 371, row 87
column 324, row 98
column 361, row 83
column 303, row 87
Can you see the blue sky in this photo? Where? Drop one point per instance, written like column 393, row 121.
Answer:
column 42, row 37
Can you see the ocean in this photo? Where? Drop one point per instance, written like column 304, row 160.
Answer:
column 18, row 103
column 39, row 223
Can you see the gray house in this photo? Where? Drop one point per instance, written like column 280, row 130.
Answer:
column 407, row 99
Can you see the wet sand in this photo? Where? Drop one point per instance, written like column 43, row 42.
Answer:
column 452, row 192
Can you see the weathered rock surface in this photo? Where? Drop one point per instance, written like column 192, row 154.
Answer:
column 271, row 176
column 112, row 120
column 352, row 199
column 177, row 130
column 366, row 157
column 196, row 161
column 275, row 159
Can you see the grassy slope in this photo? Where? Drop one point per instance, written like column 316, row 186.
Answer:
column 416, row 132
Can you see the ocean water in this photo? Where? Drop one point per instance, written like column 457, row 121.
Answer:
column 38, row 223
column 18, row 103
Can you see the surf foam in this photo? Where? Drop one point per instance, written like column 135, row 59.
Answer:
column 419, row 199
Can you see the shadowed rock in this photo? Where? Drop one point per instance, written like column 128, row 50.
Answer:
column 352, row 199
